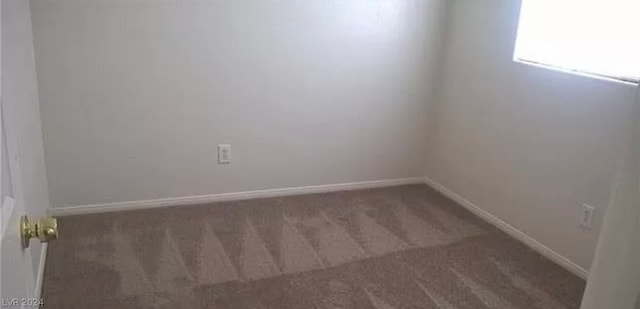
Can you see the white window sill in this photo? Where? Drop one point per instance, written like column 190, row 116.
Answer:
column 618, row 80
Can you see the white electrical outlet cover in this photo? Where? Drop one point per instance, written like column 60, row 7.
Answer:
column 586, row 216
column 224, row 154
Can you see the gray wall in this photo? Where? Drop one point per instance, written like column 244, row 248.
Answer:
column 614, row 281
column 527, row 144
column 136, row 95
column 20, row 101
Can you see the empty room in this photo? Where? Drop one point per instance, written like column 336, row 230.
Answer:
column 385, row 154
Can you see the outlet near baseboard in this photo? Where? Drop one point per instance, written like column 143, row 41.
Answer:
column 224, row 154
column 586, row 216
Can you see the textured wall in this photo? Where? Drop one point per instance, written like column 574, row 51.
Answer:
column 527, row 144
column 614, row 281
column 136, row 95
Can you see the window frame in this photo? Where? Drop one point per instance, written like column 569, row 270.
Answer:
column 558, row 68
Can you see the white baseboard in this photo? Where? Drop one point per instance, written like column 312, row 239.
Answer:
column 234, row 196
column 40, row 274
column 510, row 230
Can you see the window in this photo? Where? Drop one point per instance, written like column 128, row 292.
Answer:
column 599, row 37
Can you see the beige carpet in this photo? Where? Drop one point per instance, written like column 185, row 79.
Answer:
column 399, row 247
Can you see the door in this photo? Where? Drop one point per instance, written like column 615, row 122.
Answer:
column 17, row 283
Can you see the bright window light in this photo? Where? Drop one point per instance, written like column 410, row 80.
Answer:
column 600, row 37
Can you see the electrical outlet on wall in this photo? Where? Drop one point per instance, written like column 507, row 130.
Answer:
column 586, row 216
column 224, row 154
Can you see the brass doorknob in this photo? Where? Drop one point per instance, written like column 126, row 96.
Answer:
column 45, row 229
